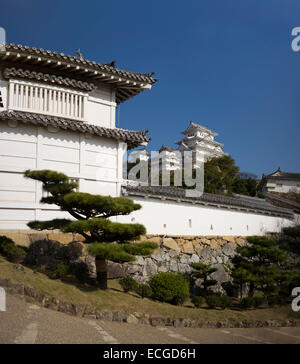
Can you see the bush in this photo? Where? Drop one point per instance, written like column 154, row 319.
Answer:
column 143, row 248
column 213, row 301
column 225, row 302
column 9, row 250
column 293, row 231
column 128, row 284
column 60, row 272
column 275, row 300
column 143, row 290
column 258, row 301
column 170, row 287
column 247, row 302
column 198, row 301
column 80, row 271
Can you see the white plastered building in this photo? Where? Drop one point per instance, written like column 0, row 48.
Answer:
column 58, row 112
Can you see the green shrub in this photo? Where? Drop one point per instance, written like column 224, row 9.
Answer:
column 198, row 301
column 225, row 301
column 275, row 300
column 143, row 290
column 258, row 301
column 170, row 287
column 247, row 302
column 9, row 250
column 293, row 231
column 60, row 272
column 80, row 271
column 143, row 248
column 213, row 301
column 128, row 284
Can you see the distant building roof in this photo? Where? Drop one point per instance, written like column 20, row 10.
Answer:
column 132, row 138
column 278, row 174
column 167, row 149
column 193, row 126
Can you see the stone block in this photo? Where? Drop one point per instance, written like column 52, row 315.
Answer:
column 79, row 310
column 119, row 316
column 171, row 244
column 20, row 239
column 230, row 239
column 105, row 315
column 188, row 248
column 131, row 319
column 61, row 238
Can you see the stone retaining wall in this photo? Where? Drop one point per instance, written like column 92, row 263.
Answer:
column 89, row 312
column 25, row 238
column 175, row 254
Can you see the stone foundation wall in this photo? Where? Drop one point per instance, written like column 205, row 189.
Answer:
column 177, row 252
column 25, row 238
column 174, row 253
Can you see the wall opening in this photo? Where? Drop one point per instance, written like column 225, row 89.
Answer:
column 1, row 100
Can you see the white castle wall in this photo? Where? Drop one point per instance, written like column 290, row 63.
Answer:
column 95, row 162
column 178, row 218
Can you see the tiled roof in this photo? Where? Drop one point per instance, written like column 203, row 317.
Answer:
column 142, row 77
column 132, row 138
column 283, row 202
column 127, row 83
column 249, row 204
column 49, row 78
column 193, row 125
column 283, row 176
column 167, row 149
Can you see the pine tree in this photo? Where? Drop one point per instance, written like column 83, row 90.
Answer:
column 260, row 264
column 107, row 240
column 203, row 271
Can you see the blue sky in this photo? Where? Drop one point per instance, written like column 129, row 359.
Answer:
column 225, row 64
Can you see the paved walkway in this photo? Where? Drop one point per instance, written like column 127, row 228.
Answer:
column 24, row 323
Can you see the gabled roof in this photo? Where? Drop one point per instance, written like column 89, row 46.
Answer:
column 132, row 138
column 278, row 174
column 127, row 83
column 193, row 127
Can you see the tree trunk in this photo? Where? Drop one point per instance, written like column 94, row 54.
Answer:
column 101, row 269
column 251, row 290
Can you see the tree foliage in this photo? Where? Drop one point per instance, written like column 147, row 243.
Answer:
column 108, row 240
column 262, row 265
column 203, row 271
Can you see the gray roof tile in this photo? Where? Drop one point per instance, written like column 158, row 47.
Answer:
column 132, row 138
column 175, row 193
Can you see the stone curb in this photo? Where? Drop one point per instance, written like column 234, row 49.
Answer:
column 80, row 310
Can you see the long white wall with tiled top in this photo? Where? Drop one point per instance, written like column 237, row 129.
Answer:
column 178, row 218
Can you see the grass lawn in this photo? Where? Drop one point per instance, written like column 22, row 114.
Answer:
column 116, row 300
